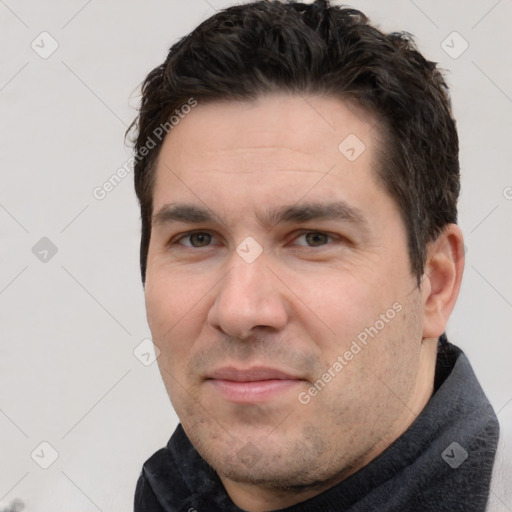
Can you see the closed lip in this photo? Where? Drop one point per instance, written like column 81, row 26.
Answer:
column 254, row 374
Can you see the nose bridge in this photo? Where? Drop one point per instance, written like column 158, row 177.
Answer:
column 249, row 296
column 247, row 281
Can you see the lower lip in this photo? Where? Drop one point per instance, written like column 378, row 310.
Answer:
column 252, row 392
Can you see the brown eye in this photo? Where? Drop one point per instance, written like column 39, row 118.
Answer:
column 198, row 239
column 315, row 239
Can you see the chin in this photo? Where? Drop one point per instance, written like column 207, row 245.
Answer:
column 282, row 464
column 282, row 475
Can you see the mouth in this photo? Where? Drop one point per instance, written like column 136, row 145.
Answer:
column 252, row 385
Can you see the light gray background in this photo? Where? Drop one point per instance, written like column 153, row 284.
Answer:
column 68, row 375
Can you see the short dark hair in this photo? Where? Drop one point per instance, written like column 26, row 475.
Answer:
column 245, row 51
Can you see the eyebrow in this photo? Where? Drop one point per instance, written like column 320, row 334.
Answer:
column 304, row 212
column 182, row 213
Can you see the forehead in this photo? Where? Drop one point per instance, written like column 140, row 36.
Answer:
column 282, row 143
column 308, row 124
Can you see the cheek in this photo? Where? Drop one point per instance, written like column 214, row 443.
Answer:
column 175, row 317
column 369, row 330
column 345, row 305
column 170, row 296
column 174, row 312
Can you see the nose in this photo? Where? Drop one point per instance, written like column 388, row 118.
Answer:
column 249, row 298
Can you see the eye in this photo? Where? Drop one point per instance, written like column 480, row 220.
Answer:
column 196, row 239
column 314, row 239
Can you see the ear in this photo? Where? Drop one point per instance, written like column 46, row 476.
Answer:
column 441, row 282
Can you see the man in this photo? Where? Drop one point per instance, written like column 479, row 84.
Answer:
column 298, row 176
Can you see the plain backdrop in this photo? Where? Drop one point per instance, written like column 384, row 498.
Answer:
column 71, row 301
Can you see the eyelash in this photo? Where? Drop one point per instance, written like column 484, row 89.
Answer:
column 300, row 234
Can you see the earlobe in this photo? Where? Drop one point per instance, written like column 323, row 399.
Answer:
column 443, row 275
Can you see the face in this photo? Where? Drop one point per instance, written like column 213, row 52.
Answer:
column 279, row 291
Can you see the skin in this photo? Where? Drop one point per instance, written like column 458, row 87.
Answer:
column 300, row 304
